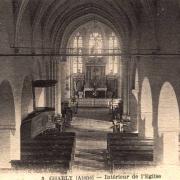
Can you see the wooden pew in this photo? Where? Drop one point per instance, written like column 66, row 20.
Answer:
column 122, row 135
column 55, row 132
column 40, row 148
column 47, row 151
column 61, row 166
column 127, row 139
column 128, row 149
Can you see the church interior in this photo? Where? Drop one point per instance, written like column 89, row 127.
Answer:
column 89, row 84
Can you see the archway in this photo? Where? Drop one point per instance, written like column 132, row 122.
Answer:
column 26, row 98
column 95, row 72
column 168, row 124
column 7, row 123
column 146, row 108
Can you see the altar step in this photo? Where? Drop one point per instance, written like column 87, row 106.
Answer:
column 93, row 102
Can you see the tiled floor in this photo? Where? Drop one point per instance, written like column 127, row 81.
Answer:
column 91, row 127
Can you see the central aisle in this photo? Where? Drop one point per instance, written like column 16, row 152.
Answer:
column 91, row 142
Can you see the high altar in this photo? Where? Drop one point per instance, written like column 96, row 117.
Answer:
column 94, row 83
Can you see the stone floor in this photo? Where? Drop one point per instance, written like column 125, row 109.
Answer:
column 91, row 126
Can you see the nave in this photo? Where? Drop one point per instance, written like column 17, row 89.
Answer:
column 91, row 126
column 88, row 133
column 57, row 55
column 88, row 144
column 100, row 149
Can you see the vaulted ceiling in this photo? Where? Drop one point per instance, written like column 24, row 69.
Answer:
column 58, row 16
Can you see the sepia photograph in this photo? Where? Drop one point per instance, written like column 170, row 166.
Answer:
column 89, row 89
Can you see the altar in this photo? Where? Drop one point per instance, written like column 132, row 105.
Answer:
column 93, row 82
column 88, row 92
column 98, row 93
column 101, row 92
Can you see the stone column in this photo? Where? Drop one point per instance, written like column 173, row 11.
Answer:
column 63, row 80
column 15, row 150
column 125, row 75
column 120, row 79
column 58, row 88
column 5, row 147
column 68, row 68
column 10, row 135
column 166, row 151
column 53, row 61
column 16, row 133
column 50, row 88
column 48, row 92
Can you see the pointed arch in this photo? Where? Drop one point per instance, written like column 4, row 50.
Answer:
column 7, row 122
column 7, row 107
column 146, row 108
column 168, row 126
column 168, row 110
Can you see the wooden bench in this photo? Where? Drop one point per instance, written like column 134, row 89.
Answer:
column 109, row 135
column 61, row 166
column 57, row 142
column 131, row 147
column 51, row 148
column 128, row 149
column 55, row 133
column 54, row 138
column 139, row 142
column 48, row 156
column 47, row 151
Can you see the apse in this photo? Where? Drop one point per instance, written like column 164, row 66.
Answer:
column 93, row 71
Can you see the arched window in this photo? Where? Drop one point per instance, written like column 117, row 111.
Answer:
column 77, row 48
column 113, row 60
column 95, row 43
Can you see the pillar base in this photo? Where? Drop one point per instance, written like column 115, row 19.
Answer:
column 5, row 148
column 166, row 150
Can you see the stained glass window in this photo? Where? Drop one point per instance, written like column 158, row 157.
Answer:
column 113, row 60
column 95, row 43
column 77, row 48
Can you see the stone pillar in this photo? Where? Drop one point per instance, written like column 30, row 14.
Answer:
column 15, row 143
column 69, row 78
column 166, row 151
column 133, row 108
column 125, row 85
column 50, row 88
column 171, row 148
column 63, row 80
column 120, row 79
column 48, row 92
column 5, row 147
column 53, row 77
column 15, row 133
column 58, row 88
